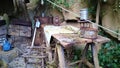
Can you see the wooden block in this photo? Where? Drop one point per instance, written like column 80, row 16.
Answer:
column 18, row 30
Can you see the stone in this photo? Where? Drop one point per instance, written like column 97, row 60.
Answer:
column 3, row 30
column 17, row 63
column 18, row 30
column 8, row 56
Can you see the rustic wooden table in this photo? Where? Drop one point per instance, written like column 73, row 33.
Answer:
column 68, row 40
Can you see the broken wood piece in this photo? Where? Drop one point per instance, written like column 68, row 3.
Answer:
column 37, row 47
column 88, row 64
column 73, row 63
column 30, row 56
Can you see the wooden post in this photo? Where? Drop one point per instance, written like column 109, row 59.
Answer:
column 95, row 55
column 49, row 52
column 97, row 15
column 61, row 58
column 84, row 52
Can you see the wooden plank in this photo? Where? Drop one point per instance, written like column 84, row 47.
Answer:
column 67, row 40
column 60, row 52
column 30, row 56
column 37, row 47
column 101, row 39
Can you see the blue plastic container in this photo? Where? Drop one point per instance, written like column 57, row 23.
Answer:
column 6, row 45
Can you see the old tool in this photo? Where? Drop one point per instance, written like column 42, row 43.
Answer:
column 36, row 26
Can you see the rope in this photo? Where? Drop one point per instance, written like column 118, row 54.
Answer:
column 86, row 20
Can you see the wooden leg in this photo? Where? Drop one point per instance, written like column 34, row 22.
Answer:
column 60, row 52
column 55, row 55
column 49, row 52
column 84, row 52
column 95, row 55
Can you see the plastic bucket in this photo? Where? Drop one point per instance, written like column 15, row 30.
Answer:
column 6, row 46
column 84, row 14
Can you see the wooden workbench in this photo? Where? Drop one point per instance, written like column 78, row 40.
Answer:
column 68, row 40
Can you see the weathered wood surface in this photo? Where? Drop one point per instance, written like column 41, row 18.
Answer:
column 67, row 40
column 18, row 30
column 95, row 55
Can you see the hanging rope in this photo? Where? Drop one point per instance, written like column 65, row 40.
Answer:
column 79, row 16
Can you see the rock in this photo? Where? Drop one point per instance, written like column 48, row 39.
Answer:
column 33, row 4
column 75, row 8
column 18, row 30
column 111, row 18
column 8, row 56
column 17, row 63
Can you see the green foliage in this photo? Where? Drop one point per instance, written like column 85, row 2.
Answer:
column 92, row 5
column 77, row 53
column 109, row 55
column 63, row 3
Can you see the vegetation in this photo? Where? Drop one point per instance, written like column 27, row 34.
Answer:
column 109, row 55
